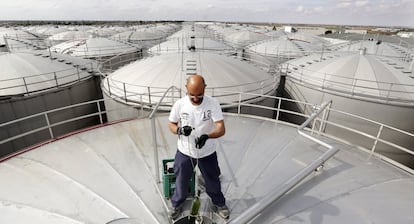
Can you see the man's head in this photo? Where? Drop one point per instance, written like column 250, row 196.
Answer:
column 195, row 89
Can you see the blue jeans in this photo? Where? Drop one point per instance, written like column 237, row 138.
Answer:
column 183, row 169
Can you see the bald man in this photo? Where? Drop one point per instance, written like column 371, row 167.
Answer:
column 198, row 121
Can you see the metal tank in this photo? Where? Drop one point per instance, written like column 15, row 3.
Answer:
column 142, row 83
column 378, row 87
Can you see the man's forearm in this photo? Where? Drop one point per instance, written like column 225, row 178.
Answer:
column 173, row 127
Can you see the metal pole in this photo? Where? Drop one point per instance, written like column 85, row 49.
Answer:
column 278, row 108
column 77, row 68
column 100, row 112
column 149, row 95
column 389, row 91
column 353, row 86
column 25, row 85
column 125, row 96
column 238, row 108
column 142, row 104
column 154, row 140
column 48, row 126
column 322, row 120
column 109, row 87
column 378, row 136
column 54, row 74
column 253, row 211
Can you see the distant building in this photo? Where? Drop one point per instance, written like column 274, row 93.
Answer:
column 405, row 34
column 356, row 31
column 290, row 29
column 312, row 30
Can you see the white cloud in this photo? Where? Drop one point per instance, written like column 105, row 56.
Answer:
column 299, row 8
column 361, row 3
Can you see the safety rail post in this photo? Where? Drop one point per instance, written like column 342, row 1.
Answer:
column 125, row 95
column 55, row 77
column 278, row 108
column 142, row 104
column 315, row 108
column 254, row 211
column 100, row 111
column 376, row 139
column 239, row 105
column 25, row 85
column 324, row 118
column 109, row 87
column 389, row 92
column 149, row 95
column 323, row 81
column 77, row 69
column 353, row 86
column 49, row 127
column 154, row 133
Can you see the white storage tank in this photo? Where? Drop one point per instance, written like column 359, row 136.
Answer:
column 142, row 83
column 112, row 54
column 34, row 82
column 377, row 87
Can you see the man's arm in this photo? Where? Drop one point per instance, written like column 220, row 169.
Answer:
column 218, row 131
column 173, row 127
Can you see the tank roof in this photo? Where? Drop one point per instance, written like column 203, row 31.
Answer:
column 82, row 179
column 37, row 69
column 221, row 72
column 357, row 73
column 94, row 47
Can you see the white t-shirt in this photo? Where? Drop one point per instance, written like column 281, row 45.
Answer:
column 201, row 118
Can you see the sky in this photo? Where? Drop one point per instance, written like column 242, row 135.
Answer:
column 338, row 12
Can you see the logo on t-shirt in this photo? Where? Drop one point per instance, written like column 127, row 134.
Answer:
column 184, row 119
column 207, row 115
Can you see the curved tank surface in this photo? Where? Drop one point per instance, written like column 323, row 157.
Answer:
column 146, row 80
column 89, row 177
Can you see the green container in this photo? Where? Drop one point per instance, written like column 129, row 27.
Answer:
column 168, row 178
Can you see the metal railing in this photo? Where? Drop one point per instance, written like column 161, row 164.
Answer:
column 175, row 93
column 313, row 124
column 350, row 86
column 94, row 52
column 112, row 63
column 149, row 95
column 40, row 82
column 154, row 130
column 372, row 139
column 319, row 125
column 254, row 210
column 44, row 119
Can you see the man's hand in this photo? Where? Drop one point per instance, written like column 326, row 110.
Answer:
column 186, row 130
column 201, row 141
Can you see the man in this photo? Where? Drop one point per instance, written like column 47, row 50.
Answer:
column 197, row 120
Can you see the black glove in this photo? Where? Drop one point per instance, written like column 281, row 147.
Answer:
column 201, row 141
column 186, row 130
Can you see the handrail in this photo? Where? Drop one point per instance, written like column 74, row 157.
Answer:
column 49, row 126
column 277, row 110
column 54, row 79
column 151, row 115
column 154, row 132
column 350, row 86
column 119, row 88
column 252, row 212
